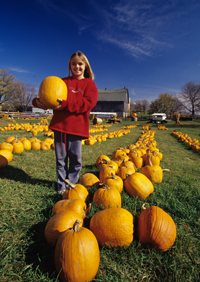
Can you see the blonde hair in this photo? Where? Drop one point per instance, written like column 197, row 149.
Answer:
column 88, row 73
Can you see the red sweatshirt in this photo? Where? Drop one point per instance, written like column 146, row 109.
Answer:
column 74, row 117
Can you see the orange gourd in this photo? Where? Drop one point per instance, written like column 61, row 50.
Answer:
column 18, row 147
column 156, row 228
column 106, row 171
column 77, row 205
column 6, row 146
column 113, row 227
column 77, row 254
column 27, row 144
column 138, row 185
column 6, row 156
column 59, row 223
column 89, row 179
column 107, row 197
column 114, row 181
column 153, row 172
column 75, row 191
column 52, row 88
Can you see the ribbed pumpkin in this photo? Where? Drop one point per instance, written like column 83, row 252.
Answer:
column 118, row 152
column 100, row 159
column 44, row 145
column 35, row 145
column 107, row 197
column 137, row 160
column 157, row 228
column 6, row 146
column 10, row 139
column 114, row 181
column 18, row 147
column 106, row 171
column 89, row 179
column 111, row 164
column 124, row 171
column 154, row 158
column 113, row 227
column 27, row 144
column 153, row 172
column 77, row 205
column 52, row 88
column 58, row 223
column 77, row 254
column 138, row 185
column 75, row 191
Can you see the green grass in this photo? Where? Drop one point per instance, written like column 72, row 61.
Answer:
column 28, row 193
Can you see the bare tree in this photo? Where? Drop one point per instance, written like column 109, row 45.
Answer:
column 139, row 106
column 25, row 93
column 190, row 97
column 145, row 105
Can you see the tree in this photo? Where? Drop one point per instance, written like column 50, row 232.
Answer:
column 140, row 106
column 190, row 97
column 25, row 94
column 145, row 105
column 15, row 94
column 165, row 103
column 7, row 86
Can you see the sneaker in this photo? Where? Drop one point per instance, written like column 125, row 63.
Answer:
column 61, row 192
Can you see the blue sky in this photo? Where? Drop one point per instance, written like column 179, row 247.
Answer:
column 148, row 46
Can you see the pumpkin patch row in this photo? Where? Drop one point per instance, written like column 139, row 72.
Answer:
column 103, row 137
column 13, row 145
column 162, row 127
column 113, row 226
column 146, row 126
column 193, row 143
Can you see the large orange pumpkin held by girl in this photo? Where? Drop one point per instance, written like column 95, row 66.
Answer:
column 51, row 89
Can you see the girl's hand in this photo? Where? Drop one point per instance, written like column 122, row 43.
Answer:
column 39, row 104
column 58, row 108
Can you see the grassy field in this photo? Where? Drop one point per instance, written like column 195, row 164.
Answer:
column 28, row 193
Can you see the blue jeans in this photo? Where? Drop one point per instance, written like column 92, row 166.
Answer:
column 68, row 158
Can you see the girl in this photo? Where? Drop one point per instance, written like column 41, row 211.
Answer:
column 70, row 121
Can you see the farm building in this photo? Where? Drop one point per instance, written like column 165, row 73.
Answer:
column 113, row 101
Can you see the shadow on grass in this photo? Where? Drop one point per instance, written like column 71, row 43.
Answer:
column 16, row 174
column 39, row 254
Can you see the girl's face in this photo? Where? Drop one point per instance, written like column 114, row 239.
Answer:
column 77, row 67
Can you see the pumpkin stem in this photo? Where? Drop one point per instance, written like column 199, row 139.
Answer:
column 149, row 159
column 71, row 186
column 88, row 209
column 76, row 226
column 104, row 161
column 106, row 187
column 113, row 176
column 143, row 206
column 165, row 169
